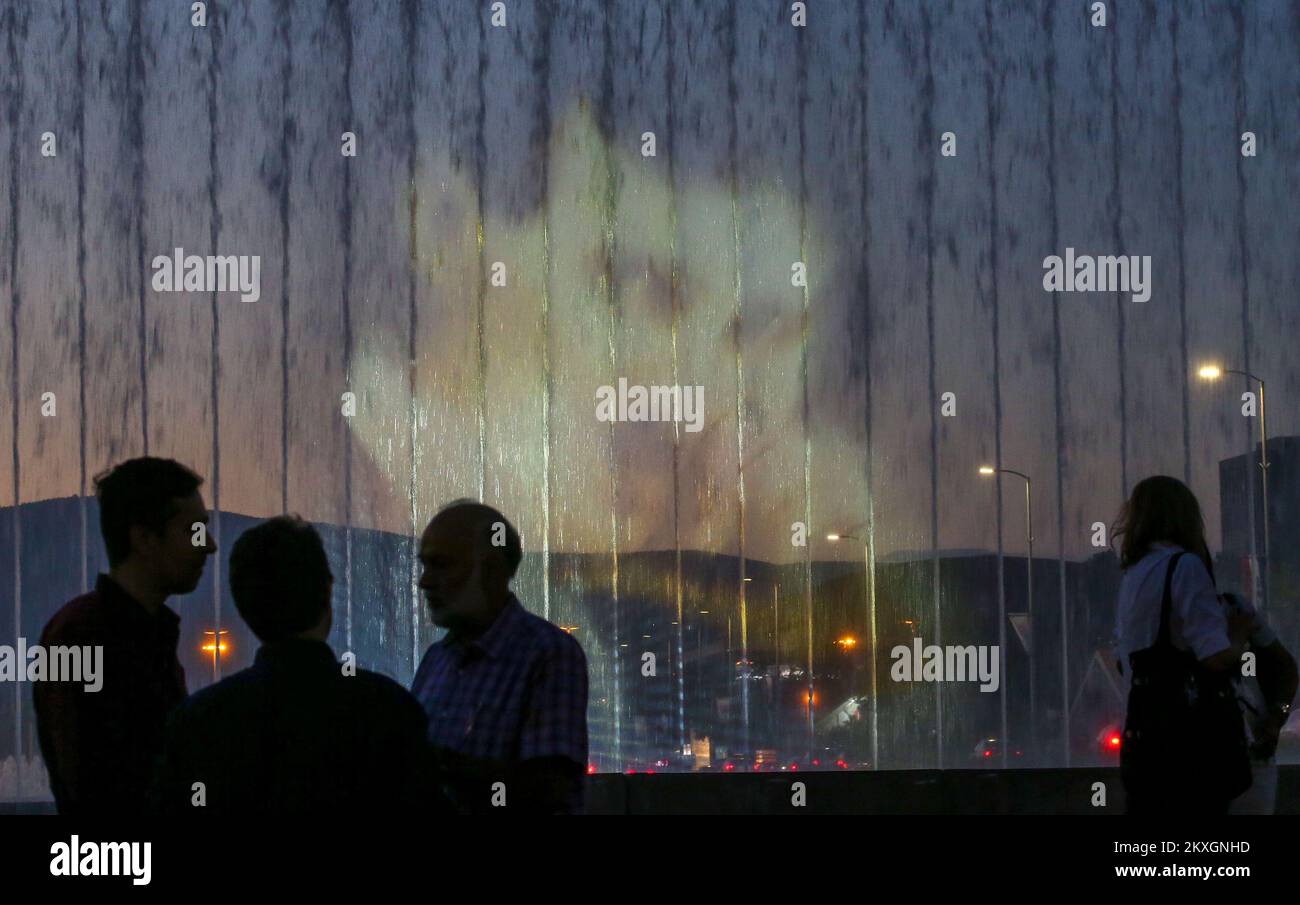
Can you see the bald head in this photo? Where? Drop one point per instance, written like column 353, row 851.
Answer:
column 469, row 553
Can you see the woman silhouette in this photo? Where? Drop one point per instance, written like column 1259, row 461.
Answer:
column 1184, row 746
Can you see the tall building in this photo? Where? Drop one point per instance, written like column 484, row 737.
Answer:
column 1234, row 569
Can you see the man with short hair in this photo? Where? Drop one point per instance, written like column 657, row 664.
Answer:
column 100, row 747
column 505, row 691
column 297, row 732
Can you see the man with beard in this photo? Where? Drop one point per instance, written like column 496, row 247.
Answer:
column 505, row 691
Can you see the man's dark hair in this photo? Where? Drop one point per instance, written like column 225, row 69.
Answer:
column 143, row 492
column 483, row 520
column 280, row 577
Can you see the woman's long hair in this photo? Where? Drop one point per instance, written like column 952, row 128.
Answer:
column 1161, row 508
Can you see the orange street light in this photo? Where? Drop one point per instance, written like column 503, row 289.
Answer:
column 217, row 646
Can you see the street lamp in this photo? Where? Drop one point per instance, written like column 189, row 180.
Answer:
column 870, row 581
column 1214, row 372
column 217, row 646
column 776, row 628
column 744, row 656
column 988, row 470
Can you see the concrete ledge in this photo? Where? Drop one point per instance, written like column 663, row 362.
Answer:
column 933, row 792
column 936, row 792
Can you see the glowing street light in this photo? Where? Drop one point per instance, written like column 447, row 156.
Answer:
column 987, row 470
column 869, row 557
column 1214, row 372
column 217, row 646
column 212, row 647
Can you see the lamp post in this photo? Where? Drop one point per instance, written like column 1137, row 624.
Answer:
column 776, row 627
column 1214, row 372
column 1029, row 578
column 870, row 581
column 777, row 689
column 744, row 666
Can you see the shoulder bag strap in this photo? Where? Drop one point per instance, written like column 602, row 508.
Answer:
column 1166, row 601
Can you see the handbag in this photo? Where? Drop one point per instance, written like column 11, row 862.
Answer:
column 1184, row 741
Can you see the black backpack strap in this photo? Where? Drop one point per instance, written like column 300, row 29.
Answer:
column 1167, row 601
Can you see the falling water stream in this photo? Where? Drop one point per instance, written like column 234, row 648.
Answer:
column 687, row 194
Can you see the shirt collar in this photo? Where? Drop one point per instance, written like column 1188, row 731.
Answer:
column 297, row 652
column 494, row 640
column 120, row 601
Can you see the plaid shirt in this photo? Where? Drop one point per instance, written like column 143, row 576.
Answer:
column 517, row 692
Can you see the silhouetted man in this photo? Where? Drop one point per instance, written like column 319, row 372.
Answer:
column 297, row 732
column 100, row 747
column 505, row 691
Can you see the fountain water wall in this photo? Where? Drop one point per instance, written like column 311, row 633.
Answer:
column 676, row 193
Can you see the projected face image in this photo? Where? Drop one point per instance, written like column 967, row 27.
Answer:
column 532, row 388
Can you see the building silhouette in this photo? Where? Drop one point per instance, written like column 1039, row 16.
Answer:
column 1233, row 569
